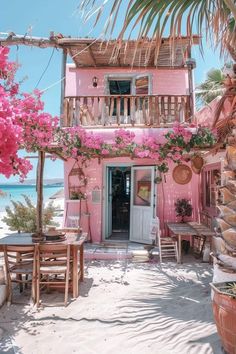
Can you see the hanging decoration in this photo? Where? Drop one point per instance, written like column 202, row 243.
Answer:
column 76, row 182
column 182, row 174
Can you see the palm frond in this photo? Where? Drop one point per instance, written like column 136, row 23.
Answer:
column 212, row 87
column 153, row 18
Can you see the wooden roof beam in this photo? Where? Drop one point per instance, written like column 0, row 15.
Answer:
column 91, row 55
column 13, row 39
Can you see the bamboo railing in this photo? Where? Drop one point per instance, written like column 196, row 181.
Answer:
column 116, row 110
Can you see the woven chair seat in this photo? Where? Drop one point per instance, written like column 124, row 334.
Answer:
column 53, row 269
column 24, row 268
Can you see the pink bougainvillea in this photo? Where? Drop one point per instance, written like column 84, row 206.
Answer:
column 22, row 122
column 77, row 142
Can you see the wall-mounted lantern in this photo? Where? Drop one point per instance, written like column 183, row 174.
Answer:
column 95, row 81
column 190, row 63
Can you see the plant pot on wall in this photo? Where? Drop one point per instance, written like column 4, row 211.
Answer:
column 224, row 311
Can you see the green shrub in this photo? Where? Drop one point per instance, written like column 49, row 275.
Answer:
column 23, row 216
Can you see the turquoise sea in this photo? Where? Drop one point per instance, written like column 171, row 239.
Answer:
column 16, row 192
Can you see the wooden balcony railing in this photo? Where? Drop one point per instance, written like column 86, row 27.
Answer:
column 115, row 110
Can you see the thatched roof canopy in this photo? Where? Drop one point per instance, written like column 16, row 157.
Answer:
column 130, row 53
column 90, row 52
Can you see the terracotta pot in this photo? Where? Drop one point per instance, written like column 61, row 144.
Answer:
column 224, row 311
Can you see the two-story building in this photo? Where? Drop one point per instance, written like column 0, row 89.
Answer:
column 135, row 87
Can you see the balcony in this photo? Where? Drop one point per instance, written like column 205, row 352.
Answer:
column 115, row 111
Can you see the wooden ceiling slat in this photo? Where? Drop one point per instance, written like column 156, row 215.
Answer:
column 91, row 55
column 130, row 53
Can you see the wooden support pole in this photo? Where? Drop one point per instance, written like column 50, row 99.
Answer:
column 39, row 211
column 63, row 81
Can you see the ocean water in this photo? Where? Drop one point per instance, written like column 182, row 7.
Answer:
column 16, row 192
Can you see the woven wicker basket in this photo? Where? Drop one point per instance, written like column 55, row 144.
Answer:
column 182, row 174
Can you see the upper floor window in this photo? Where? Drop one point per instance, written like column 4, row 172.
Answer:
column 120, row 87
column 128, row 84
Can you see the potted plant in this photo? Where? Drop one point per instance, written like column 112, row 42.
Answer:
column 183, row 208
column 224, row 310
column 74, row 195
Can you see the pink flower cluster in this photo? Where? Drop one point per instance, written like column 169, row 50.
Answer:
column 149, row 148
column 180, row 131
column 7, row 69
column 22, row 125
column 123, row 138
column 38, row 128
column 75, row 141
column 179, row 136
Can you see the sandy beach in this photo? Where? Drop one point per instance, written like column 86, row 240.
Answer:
column 124, row 306
column 134, row 308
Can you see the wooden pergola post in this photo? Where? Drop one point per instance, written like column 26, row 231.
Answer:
column 39, row 189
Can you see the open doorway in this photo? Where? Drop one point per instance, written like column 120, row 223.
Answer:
column 118, row 211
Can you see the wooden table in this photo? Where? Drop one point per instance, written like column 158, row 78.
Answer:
column 201, row 229
column 188, row 229
column 180, row 230
column 76, row 242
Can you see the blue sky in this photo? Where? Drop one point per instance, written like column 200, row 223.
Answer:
column 38, row 18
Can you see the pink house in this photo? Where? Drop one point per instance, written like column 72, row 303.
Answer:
column 131, row 87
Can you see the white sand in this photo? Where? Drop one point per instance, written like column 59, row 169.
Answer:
column 124, row 307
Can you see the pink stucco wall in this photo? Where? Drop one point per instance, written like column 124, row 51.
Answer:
column 164, row 81
column 167, row 192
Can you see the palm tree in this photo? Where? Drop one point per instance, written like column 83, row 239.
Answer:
column 214, row 18
column 212, row 87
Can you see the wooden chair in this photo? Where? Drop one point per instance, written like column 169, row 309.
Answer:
column 206, row 219
column 53, row 261
column 20, row 268
column 167, row 245
column 198, row 245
